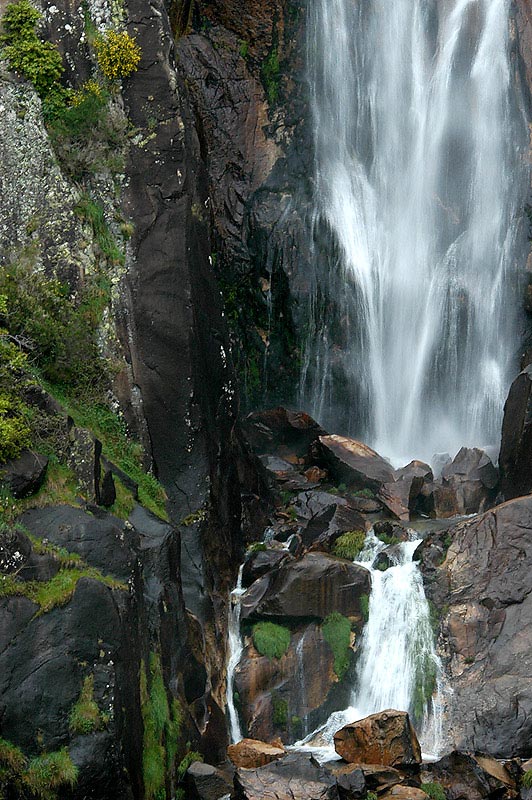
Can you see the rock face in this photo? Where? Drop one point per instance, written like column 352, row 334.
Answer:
column 353, row 462
column 25, row 474
column 473, row 478
column 295, row 777
column 314, row 586
column 469, row 777
column 516, row 446
column 484, row 585
column 386, row 738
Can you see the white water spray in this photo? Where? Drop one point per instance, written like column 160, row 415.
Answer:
column 235, row 647
column 419, row 189
column 398, row 666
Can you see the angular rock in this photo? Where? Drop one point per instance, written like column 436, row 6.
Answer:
column 515, row 457
column 353, row 462
column 295, row 777
column 438, row 500
column 252, row 753
column 205, row 782
column 349, row 779
column 15, row 550
column 314, row 586
column 322, row 530
column 281, row 431
column 394, row 496
column 473, row 478
column 281, row 469
column 377, row 777
column 405, row 793
column 261, row 563
column 365, row 505
column 107, row 493
column 468, row 777
column 24, row 475
column 311, row 503
column 386, row 738
column 386, row 530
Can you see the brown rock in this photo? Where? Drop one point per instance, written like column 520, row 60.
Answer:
column 394, row 496
column 315, row 474
column 353, row 462
column 251, row 753
column 376, row 776
column 405, row 793
column 386, row 738
column 473, row 478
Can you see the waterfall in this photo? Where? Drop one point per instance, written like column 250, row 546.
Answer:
column 398, row 666
column 420, row 187
column 235, row 647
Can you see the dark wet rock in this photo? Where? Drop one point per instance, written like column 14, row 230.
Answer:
column 314, row 586
column 389, row 532
column 309, row 504
column 205, row 782
column 473, row 478
column 262, row 562
column 295, row 545
column 353, row 462
column 322, row 530
column 253, row 753
column 282, row 431
column 15, row 550
column 24, row 475
column 383, row 561
column 365, row 505
column 295, row 777
column 438, row 500
column 281, row 469
column 484, row 587
column 350, row 780
column 266, row 684
column 386, row 738
column 401, row 496
column 107, row 492
column 378, row 778
column 469, row 777
column 515, row 457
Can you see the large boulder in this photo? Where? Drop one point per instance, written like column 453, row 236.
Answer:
column 484, row 587
column 353, row 462
column 321, row 531
column 386, row 738
column 314, row 586
column 281, row 431
column 205, row 782
column 377, row 777
column 24, row 475
column 473, row 478
column 468, row 777
column 515, row 457
column 296, row 777
column 252, row 753
column 262, row 562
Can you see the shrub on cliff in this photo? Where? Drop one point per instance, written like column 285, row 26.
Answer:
column 117, row 53
column 336, row 631
column 271, row 640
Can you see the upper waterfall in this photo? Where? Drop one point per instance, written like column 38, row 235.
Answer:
column 420, row 188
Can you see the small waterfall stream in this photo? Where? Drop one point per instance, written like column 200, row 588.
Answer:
column 420, row 185
column 235, row 647
column 398, row 666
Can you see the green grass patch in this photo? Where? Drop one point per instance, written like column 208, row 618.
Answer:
column 279, row 711
column 93, row 213
column 434, row 790
column 270, row 639
column 349, row 545
column 387, row 539
column 185, row 763
column 366, row 493
column 49, row 772
column 336, row 631
column 364, row 606
column 85, row 716
column 270, row 72
column 526, row 780
column 255, row 547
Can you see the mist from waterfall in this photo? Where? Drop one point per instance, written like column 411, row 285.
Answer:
column 420, row 187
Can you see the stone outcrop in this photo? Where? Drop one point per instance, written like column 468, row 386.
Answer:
column 472, row 777
column 24, row 475
column 386, row 738
column 516, row 446
column 252, row 753
column 484, row 586
column 353, row 462
column 295, row 777
column 205, row 782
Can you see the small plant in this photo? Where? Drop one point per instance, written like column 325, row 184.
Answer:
column 256, row 547
column 349, row 544
column 526, row 780
column 336, row 631
column 94, row 214
column 50, row 771
column 85, row 716
column 364, row 606
column 271, row 640
column 117, row 53
column 243, row 48
column 366, row 493
column 185, row 763
column 270, row 75
column 280, row 711
column 434, row 791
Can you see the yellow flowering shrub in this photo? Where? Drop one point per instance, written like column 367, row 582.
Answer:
column 117, row 53
column 90, row 88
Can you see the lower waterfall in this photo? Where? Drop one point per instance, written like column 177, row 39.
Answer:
column 398, row 666
column 235, row 648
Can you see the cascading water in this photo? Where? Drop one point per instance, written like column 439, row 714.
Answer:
column 235, row 648
column 398, row 666
column 420, row 187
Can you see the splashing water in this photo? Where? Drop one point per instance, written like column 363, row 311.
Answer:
column 420, row 185
column 398, row 666
column 235, row 647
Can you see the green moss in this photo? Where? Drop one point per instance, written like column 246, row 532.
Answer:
column 526, row 780
column 372, row 796
column 15, row 431
column 173, row 733
column 196, row 516
column 256, row 547
column 364, row 606
column 186, row 761
column 425, row 685
column 49, row 772
column 388, row 539
column 58, row 590
column 93, row 212
column 85, row 716
column 11, row 758
column 243, row 48
column 270, row 71
column 349, row 544
column 336, row 631
column 434, row 790
column 367, row 493
column 279, row 711
column 270, row 639
column 124, row 503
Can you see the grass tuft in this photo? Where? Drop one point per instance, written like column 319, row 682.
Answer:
column 336, row 631
column 271, row 640
column 349, row 544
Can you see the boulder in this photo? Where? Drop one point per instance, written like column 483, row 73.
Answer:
column 107, row 490
column 438, row 500
column 484, row 586
column 24, row 475
column 515, row 457
column 280, row 431
column 313, row 586
column 262, row 562
column 311, row 503
column 386, row 738
column 473, row 478
column 322, row 530
column 205, row 782
column 468, row 777
column 350, row 781
column 252, row 753
column 389, row 531
column 405, row 793
column 298, row 776
column 281, row 469
column 395, row 497
column 15, row 550
column 365, row 505
column 353, row 462
column 377, row 777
